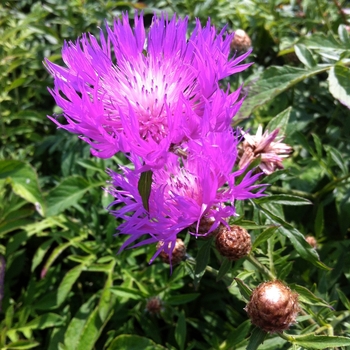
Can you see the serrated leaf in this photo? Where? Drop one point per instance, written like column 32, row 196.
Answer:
column 304, row 55
column 66, row 194
column 311, row 341
column 280, row 121
column 144, row 187
column 339, row 84
column 24, row 182
column 133, row 342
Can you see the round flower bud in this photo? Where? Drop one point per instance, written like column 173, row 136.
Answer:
column 204, row 226
column 233, row 243
column 273, row 307
column 177, row 255
column 154, row 305
column 312, row 241
column 241, row 41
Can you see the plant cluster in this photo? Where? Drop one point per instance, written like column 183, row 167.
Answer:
column 236, row 174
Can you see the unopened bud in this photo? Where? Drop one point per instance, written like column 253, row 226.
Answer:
column 312, row 241
column 154, row 305
column 241, row 41
column 233, row 243
column 204, row 227
column 177, row 254
column 273, row 307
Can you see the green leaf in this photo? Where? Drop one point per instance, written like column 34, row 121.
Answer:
column 337, row 158
column 280, row 121
column 180, row 330
column 78, row 324
column 238, row 335
column 318, row 145
column 92, row 330
column 320, row 41
column 339, row 84
column 243, row 288
column 344, row 35
column 40, row 253
column 343, row 299
column 67, row 283
column 202, row 260
column 311, row 341
column 182, row 298
column 304, row 55
column 144, row 186
column 22, row 344
column 133, row 342
column 272, row 82
column 296, row 238
column 257, row 337
column 43, row 321
column 284, row 199
column 308, row 297
column 66, row 194
column 24, row 182
column 319, row 221
column 128, row 293
column 226, row 266
column 264, row 236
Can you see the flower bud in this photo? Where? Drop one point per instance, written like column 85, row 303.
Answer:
column 241, row 41
column 154, row 305
column 204, row 226
column 273, row 307
column 312, row 241
column 177, row 254
column 233, row 243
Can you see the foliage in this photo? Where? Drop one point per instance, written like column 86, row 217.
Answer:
column 65, row 286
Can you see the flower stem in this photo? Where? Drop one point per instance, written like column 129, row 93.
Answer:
column 266, row 272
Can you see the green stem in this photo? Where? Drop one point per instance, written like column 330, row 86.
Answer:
column 292, row 192
column 270, row 255
column 267, row 273
column 214, row 272
column 330, row 186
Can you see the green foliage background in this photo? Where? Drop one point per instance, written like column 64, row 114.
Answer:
column 65, row 286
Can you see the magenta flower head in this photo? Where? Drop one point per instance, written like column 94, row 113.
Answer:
column 185, row 191
column 144, row 92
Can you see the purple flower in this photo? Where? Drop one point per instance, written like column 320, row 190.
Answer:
column 197, row 186
column 144, row 93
